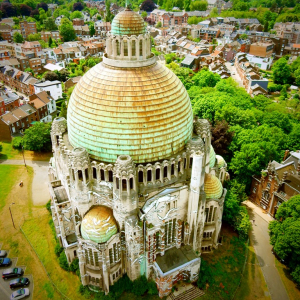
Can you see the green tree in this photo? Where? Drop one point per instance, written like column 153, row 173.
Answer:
column 285, row 235
column 281, row 71
column 37, row 137
column 17, row 37
column 108, row 14
column 198, row 5
column 34, row 37
column 66, row 30
column 206, row 78
column 49, row 24
column 92, row 29
column 194, row 20
column 158, row 24
column 76, row 15
column 50, row 41
column 51, row 76
column 244, row 36
column 140, row 286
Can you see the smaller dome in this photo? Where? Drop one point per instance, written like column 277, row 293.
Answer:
column 212, row 157
column 220, row 161
column 128, row 23
column 212, row 187
column 99, row 224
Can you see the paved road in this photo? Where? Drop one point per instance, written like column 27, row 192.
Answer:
column 40, row 190
column 261, row 242
column 236, row 75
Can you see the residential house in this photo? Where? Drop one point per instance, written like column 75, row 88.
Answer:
column 31, row 47
column 27, row 28
column 6, row 32
column 5, row 55
column 35, row 65
column 58, row 20
column 78, row 22
column 277, row 184
column 209, row 33
column 16, row 121
column 72, row 82
column 8, row 21
column 10, row 100
column 45, row 35
column 54, row 87
column 24, row 62
column 43, row 103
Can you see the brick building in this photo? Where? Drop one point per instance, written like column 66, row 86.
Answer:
column 16, row 121
column 6, row 32
column 31, row 47
column 78, row 22
column 35, row 65
column 27, row 28
column 40, row 102
column 261, row 49
column 277, row 184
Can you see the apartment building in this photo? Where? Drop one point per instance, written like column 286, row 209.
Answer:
column 35, row 65
column 27, row 28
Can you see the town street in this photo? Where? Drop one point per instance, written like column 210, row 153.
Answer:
column 261, row 242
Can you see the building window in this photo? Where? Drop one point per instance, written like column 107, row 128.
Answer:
column 149, row 175
column 80, row 177
column 157, row 173
column 172, row 169
column 124, row 184
column 94, row 173
column 110, row 176
column 131, row 183
column 170, row 232
column 165, row 171
column 117, row 183
column 114, row 253
column 179, row 166
column 86, row 174
column 141, row 176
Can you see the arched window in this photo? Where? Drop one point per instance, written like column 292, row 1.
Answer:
column 94, row 173
column 117, row 183
column 141, row 47
column 102, row 176
column 110, row 176
column 149, row 175
column 125, row 47
column 191, row 162
column 179, row 163
column 124, row 184
column 165, row 171
column 133, row 47
column 141, row 176
column 131, row 183
column 157, row 171
column 172, row 169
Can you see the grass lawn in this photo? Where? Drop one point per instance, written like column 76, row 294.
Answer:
column 12, row 239
column 253, row 284
column 8, row 175
column 290, row 286
column 9, row 153
column 226, row 264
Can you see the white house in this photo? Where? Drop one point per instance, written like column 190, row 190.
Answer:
column 263, row 63
column 54, row 87
column 58, row 20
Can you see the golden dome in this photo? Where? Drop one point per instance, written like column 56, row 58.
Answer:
column 144, row 112
column 212, row 187
column 128, row 23
column 99, row 224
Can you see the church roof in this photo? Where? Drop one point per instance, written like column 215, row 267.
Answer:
column 212, row 187
column 99, row 224
column 128, row 23
column 212, row 157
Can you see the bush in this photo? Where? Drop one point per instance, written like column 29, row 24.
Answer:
column 275, row 87
column 152, row 288
column 242, row 223
column 63, row 262
column 58, row 250
column 1, row 147
column 124, row 284
column 205, row 275
column 17, row 142
column 140, row 286
column 74, row 266
column 48, row 206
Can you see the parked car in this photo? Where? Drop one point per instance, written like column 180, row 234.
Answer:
column 19, row 282
column 5, row 262
column 20, row 294
column 12, row 272
column 3, row 253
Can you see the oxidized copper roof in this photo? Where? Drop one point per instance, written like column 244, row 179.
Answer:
column 99, row 224
column 128, row 23
column 212, row 187
column 212, row 157
column 143, row 112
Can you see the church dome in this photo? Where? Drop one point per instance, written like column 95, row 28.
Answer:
column 220, row 161
column 144, row 112
column 212, row 187
column 99, row 224
column 212, row 157
column 128, row 23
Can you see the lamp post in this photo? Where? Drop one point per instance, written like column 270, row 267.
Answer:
column 11, row 214
column 24, row 158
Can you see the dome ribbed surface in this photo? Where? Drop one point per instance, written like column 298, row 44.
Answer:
column 99, row 225
column 128, row 23
column 212, row 157
column 220, row 161
column 212, row 187
column 143, row 112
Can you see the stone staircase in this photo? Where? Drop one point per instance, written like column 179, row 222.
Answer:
column 190, row 294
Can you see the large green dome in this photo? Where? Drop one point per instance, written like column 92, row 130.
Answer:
column 128, row 23
column 143, row 112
